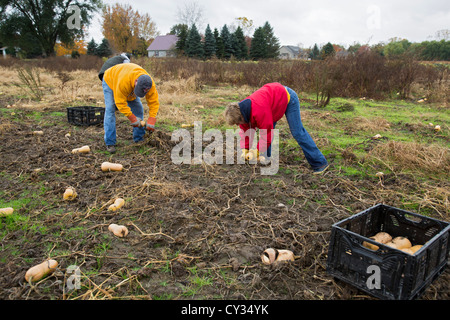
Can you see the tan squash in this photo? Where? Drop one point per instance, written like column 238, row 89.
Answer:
column 270, row 256
column 371, row 246
column 408, row 250
column 108, row 166
column 118, row 230
column 416, row 248
column 6, row 211
column 70, row 194
column 118, row 203
column 381, row 237
column 38, row 133
column 39, row 271
column 83, row 149
column 402, row 242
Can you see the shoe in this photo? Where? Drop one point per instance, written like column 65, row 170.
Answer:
column 111, row 149
column 321, row 169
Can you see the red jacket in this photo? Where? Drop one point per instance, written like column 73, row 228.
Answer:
column 260, row 110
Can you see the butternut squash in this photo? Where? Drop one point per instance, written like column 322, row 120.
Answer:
column 118, row 203
column 416, row 248
column 39, row 271
column 108, row 166
column 270, row 256
column 70, row 194
column 83, row 149
column 401, row 242
column 381, row 237
column 6, row 211
column 118, row 230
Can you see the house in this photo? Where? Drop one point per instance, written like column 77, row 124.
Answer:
column 163, row 46
column 289, row 52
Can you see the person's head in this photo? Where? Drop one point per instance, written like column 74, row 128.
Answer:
column 233, row 115
column 142, row 85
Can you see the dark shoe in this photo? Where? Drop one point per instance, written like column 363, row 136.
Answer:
column 321, row 169
column 111, row 149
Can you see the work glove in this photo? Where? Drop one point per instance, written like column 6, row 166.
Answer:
column 150, row 125
column 135, row 121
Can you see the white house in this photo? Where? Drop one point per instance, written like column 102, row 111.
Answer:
column 163, row 46
column 289, row 52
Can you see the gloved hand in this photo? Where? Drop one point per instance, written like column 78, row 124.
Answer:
column 252, row 154
column 244, row 153
column 135, row 121
column 150, row 126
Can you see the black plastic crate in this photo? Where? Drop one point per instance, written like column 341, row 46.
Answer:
column 85, row 115
column 388, row 273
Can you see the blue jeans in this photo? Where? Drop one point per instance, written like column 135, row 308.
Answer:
column 312, row 154
column 109, row 121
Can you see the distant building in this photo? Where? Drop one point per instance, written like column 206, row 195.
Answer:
column 289, row 52
column 163, row 46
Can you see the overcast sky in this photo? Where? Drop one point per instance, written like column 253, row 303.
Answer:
column 297, row 22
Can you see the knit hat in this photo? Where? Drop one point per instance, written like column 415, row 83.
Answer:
column 144, row 83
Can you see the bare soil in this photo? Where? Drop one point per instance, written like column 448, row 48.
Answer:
column 187, row 222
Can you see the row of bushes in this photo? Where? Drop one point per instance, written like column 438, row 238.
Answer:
column 366, row 74
column 363, row 75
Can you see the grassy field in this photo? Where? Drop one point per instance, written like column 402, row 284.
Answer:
column 197, row 231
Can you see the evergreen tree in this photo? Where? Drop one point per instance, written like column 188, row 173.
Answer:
column 194, row 47
column 210, row 43
column 104, row 49
column 315, row 53
column 240, row 45
column 327, row 51
column 92, row 48
column 227, row 42
column 219, row 44
column 273, row 44
column 181, row 31
column 258, row 49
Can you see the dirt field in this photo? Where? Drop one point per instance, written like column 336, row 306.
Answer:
column 195, row 231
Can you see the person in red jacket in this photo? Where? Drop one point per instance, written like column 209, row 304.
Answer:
column 261, row 110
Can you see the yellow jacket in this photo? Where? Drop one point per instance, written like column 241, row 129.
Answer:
column 121, row 79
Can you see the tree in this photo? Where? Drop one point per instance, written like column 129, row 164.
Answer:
column 194, row 47
column 78, row 48
column 124, row 27
column 191, row 13
column 327, row 51
column 396, row 47
column 92, row 48
column 44, row 21
column 258, row 49
column 225, row 35
column 315, row 53
column 219, row 44
column 240, row 45
column 182, row 32
column 273, row 44
column 104, row 49
column 246, row 25
column 209, row 45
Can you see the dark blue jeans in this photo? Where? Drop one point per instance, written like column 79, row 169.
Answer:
column 109, row 122
column 312, row 154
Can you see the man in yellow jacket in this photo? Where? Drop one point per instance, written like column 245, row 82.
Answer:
column 123, row 86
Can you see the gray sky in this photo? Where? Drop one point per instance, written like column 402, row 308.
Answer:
column 297, row 22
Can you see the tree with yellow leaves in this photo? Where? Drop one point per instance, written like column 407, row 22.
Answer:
column 126, row 28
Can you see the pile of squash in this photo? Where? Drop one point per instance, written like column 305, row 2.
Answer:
column 400, row 243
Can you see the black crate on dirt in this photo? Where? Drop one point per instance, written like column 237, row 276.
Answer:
column 388, row 273
column 85, row 115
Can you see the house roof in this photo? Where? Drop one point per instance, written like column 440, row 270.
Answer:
column 293, row 49
column 162, row 43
